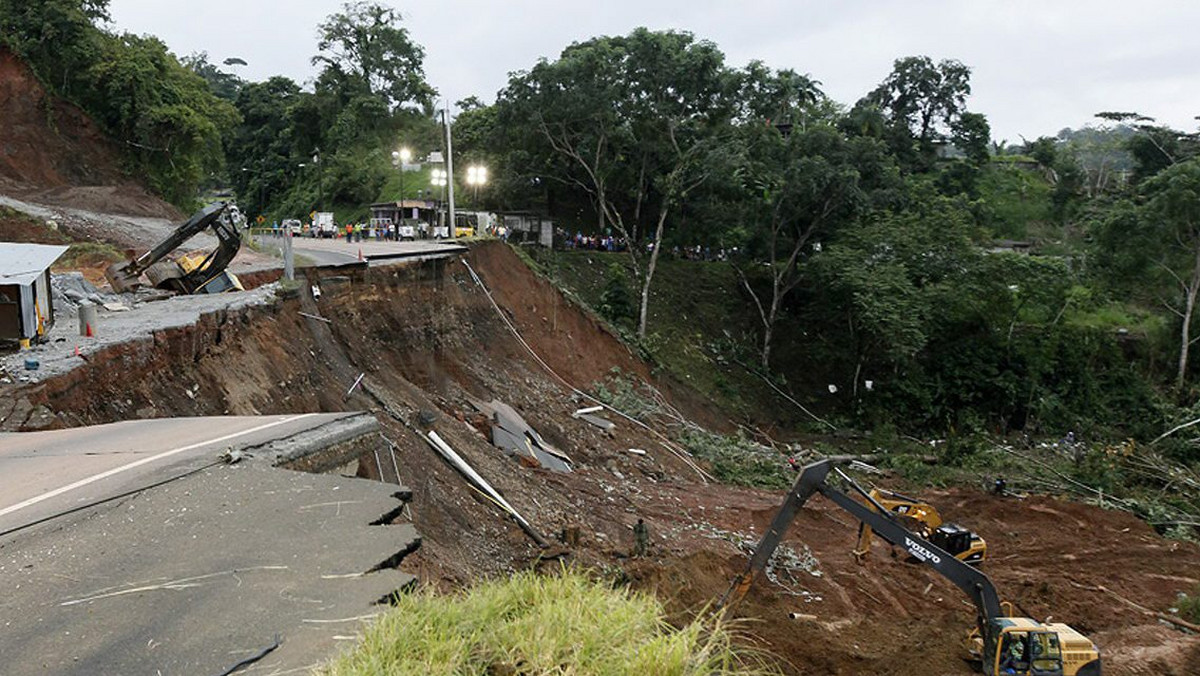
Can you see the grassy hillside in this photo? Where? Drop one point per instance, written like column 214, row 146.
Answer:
column 702, row 329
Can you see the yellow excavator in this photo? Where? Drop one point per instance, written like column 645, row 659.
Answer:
column 1001, row 642
column 923, row 519
column 192, row 272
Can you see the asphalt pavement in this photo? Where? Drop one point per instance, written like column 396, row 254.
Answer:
column 320, row 251
column 192, row 566
column 44, row 473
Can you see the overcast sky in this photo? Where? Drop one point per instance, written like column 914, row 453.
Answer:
column 1037, row 66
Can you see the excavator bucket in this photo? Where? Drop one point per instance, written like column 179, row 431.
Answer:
column 120, row 277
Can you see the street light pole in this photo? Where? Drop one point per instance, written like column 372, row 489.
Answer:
column 476, row 176
column 449, row 166
column 400, row 158
column 437, row 176
column 320, row 179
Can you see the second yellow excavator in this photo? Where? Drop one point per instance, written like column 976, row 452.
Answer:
column 923, row 519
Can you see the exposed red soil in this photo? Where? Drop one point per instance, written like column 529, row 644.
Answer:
column 427, row 339
column 18, row 227
column 52, row 153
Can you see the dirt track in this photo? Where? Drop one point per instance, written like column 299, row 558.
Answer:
column 427, row 339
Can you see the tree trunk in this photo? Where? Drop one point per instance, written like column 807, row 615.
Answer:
column 1185, row 333
column 643, row 311
column 769, row 325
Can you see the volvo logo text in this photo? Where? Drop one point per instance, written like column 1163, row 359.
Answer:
column 920, row 552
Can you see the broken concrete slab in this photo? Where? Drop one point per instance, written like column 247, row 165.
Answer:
column 321, row 449
column 194, row 575
column 597, row 421
column 511, row 433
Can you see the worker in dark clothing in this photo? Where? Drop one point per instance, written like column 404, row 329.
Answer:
column 641, row 538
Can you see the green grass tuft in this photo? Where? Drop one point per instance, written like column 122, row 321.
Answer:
column 1189, row 606
column 534, row 624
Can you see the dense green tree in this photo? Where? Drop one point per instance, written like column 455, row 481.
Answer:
column 972, row 134
column 163, row 112
column 797, row 189
column 261, row 156
column 627, row 121
column 163, row 115
column 1172, row 213
column 225, row 85
column 921, row 102
column 366, row 44
column 58, row 38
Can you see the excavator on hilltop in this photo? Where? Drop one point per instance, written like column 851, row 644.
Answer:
column 192, row 272
column 1003, row 643
column 923, row 518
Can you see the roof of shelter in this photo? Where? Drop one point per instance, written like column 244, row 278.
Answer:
column 23, row 263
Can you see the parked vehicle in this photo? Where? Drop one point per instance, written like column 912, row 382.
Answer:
column 323, row 225
column 295, row 226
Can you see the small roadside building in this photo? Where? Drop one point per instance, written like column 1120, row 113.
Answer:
column 26, row 307
column 528, row 226
column 408, row 210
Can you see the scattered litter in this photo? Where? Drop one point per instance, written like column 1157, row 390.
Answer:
column 355, row 385
column 115, row 307
column 311, row 316
column 32, row 364
column 232, row 457
column 637, row 451
column 316, row 292
column 589, row 409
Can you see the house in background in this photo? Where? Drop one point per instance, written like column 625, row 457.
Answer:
column 26, row 308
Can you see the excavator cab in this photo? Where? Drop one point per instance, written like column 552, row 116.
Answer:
column 964, row 544
column 1025, row 652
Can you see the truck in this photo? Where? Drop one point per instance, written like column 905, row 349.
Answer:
column 323, row 225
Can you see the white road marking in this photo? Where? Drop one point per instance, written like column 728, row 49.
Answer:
column 137, row 463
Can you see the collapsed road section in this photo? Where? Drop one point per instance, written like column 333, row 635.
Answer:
column 177, row 546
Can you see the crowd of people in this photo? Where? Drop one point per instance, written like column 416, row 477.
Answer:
column 580, row 241
column 591, row 242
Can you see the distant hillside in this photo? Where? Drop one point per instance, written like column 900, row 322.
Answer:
column 52, row 152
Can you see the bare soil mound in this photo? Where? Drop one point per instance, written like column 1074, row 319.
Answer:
column 429, row 345
column 51, row 152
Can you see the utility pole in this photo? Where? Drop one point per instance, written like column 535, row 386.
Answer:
column 320, row 180
column 449, row 164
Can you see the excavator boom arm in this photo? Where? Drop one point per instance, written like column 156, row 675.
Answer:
column 124, row 276
column 194, row 226
column 812, row 479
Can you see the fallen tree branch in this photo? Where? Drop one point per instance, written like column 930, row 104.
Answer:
column 1175, row 429
column 1140, row 608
